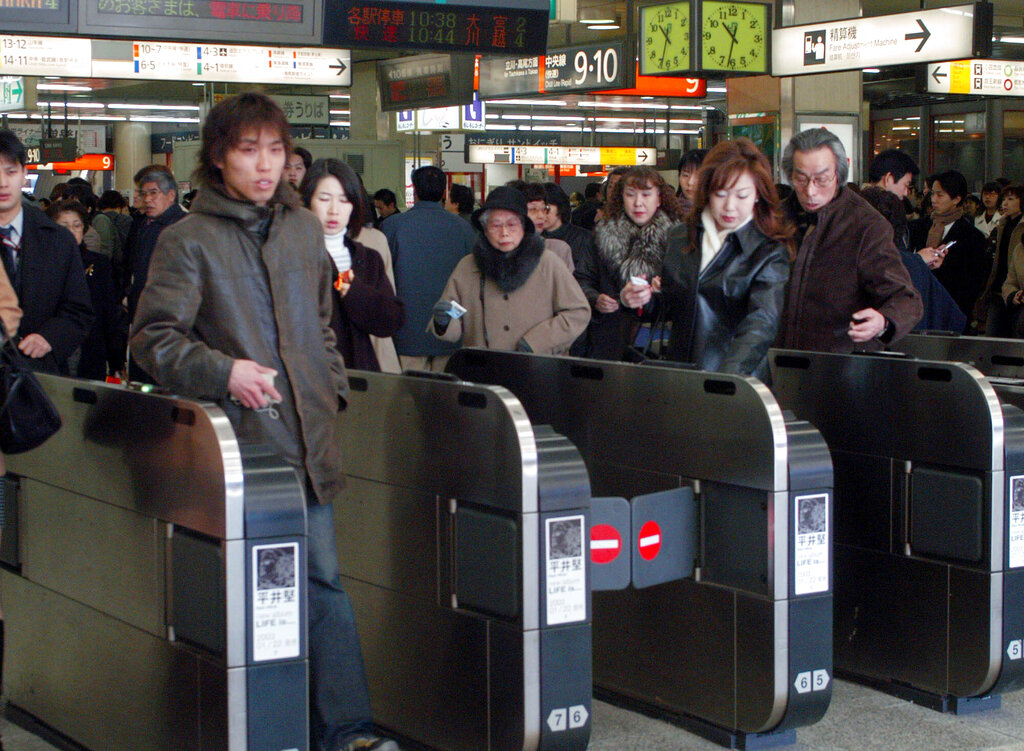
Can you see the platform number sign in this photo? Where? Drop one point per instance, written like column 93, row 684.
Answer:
column 568, row 718
column 811, row 680
column 1016, row 518
column 1015, row 649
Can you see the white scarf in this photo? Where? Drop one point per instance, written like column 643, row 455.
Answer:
column 713, row 241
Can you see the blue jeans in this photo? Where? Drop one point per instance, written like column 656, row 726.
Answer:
column 339, row 703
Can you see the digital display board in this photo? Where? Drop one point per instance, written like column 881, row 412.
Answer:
column 49, row 16
column 513, row 26
column 425, row 81
column 283, row 21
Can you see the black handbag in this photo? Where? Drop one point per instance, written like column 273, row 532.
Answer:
column 27, row 416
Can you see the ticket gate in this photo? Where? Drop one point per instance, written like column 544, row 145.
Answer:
column 929, row 531
column 711, row 533
column 153, row 579
column 995, row 357
column 462, row 545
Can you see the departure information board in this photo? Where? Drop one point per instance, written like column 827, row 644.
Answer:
column 490, row 27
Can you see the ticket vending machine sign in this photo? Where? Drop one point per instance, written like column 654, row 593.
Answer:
column 665, row 536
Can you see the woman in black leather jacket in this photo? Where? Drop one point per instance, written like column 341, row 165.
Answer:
column 723, row 283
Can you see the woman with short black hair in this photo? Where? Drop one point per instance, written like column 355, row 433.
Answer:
column 365, row 303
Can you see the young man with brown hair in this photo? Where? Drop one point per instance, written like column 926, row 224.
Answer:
column 237, row 309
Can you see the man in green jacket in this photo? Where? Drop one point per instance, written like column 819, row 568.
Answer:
column 237, row 309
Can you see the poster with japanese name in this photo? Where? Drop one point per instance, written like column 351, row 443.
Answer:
column 1016, row 521
column 810, row 554
column 566, row 571
column 275, row 602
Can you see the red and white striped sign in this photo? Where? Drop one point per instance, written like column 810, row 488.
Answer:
column 649, row 541
column 605, row 543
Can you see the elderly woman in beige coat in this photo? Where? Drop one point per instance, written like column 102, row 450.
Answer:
column 515, row 295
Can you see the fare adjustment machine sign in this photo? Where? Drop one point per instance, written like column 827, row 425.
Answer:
column 904, row 38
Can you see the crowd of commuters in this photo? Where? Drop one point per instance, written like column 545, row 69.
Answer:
column 252, row 301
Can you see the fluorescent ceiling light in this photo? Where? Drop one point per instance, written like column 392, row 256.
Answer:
column 528, row 102
column 93, row 118
column 341, row 123
column 73, row 105
column 872, row 70
column 340, row 112
column 559, row 118
column 61, row 87
column 1012, row 40
column 198, row 83
column 515, row 117
column 161, row 119
column 499, row 126
column 174, row 107
column 614, row 106
column 603, row 26
column 339, row 96
column 717, row 90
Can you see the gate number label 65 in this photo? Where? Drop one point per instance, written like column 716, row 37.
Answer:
column 807, row 681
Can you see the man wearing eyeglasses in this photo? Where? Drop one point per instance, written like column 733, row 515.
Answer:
column 157, row 194
column 848, row 288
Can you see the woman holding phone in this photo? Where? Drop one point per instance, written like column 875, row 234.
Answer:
column 724, row 278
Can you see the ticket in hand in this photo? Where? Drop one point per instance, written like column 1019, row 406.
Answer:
column 455, row 310
column 639, row 281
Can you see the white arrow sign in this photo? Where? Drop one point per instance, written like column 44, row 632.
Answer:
column 857, row 43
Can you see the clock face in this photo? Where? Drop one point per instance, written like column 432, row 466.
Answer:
column 734, row 36
column 665, row 38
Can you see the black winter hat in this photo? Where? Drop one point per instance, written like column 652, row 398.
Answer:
column 508, row 199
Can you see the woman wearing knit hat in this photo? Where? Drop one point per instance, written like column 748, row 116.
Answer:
column 510, row 293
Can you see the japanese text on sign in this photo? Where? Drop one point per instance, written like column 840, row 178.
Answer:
column 566, row 571
column 810, row 554
column 275, row 602
column 220, row 9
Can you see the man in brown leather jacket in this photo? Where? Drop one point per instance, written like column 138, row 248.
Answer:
column 237, row 309
column 848, row 288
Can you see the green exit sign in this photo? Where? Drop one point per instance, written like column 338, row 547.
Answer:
column 12, row 93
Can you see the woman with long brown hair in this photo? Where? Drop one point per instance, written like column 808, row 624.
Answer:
column 724, row 279
column 628, row 243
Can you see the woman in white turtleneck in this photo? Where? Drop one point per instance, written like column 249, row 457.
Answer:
column 364, row 300
column 726, row 267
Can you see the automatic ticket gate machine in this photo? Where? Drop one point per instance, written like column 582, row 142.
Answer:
column 725, row 539
column 993, row 356
column 153, row 580
column 462, row 545
column 929, row 556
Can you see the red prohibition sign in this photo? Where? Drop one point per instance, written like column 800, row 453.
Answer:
column 649, row 541
column 605, row 543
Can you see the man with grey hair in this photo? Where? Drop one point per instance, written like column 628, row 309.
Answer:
column 848, row 289
column 157, row 191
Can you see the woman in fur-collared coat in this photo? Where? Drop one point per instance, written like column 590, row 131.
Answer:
column 512, row 294
column 630, row 243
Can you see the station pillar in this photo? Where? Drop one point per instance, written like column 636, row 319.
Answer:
column 132, row 152
column 832, row 99
column 368, row 122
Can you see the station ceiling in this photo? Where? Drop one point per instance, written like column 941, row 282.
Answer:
column 894, row 86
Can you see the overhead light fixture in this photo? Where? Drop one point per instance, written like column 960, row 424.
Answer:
column 61, row 87
column 341, row 123
column 339, row 96
column 73, row 105
column 528, row 102
column 173, row 107
column 1011, row 39
column 592, row 16
column 717, row 90
column 611, row 26
column 160, row 119
column 198, row 83
column 872, row 70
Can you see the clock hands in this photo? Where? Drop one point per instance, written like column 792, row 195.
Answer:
column 732, row 34
column 664, row 49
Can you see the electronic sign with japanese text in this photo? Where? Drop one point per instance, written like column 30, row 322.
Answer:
column 280, row 21
column 49, row 16
column 485, row 26
column 425, row 81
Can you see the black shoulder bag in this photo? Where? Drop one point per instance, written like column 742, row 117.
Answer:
column 27, row 416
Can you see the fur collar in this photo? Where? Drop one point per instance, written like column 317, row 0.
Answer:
column 508, row 270
column 631, row 250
